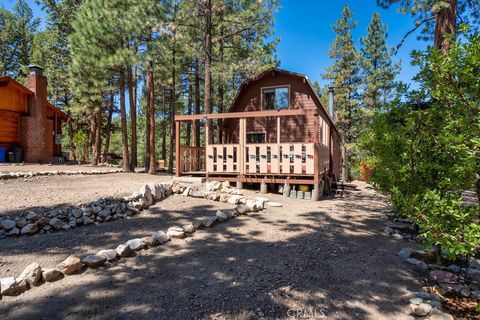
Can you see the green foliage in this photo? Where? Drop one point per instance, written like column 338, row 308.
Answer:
column 81, row 142
column 17, row 29
column 426, row 155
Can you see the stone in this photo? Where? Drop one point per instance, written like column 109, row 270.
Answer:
column 186, row 192
column 56, row 223
column 8, row 224
column 196, row 224
column 14, row 232
column 86, row 220
column 161, row 237
column 94, row 260
column 136, row 244
column 274, row 204
column 224, row 197
column 109, row 254
column 104, row 213
column 454, row 268
column 77, row 213
column 52, row 275
column 71, row 265
column 444, row 277
column 146, row 194
column 157, row 191
column 221, row 215
column 439, row 315
column 407, row 296
column 388, row 230
column 235, row 199
column 189, row 228
column 405, row 253
column 175, row 232
column 149, row 241
column 29, row 229
column 32, row 216
column 475, row 294
column 251, row 205
column 416, row 300
column 210, row 221
column 11, row 287
column 474, row 262
column 124, row 251
column 422, row 310
column 241, row 209
column 417, row 263
column 32, row 274
column 213, row 185
column 197, row 194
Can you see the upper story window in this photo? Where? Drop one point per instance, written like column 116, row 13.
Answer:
column 275, row 98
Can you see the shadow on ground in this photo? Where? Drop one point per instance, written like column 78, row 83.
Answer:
column 339, row 265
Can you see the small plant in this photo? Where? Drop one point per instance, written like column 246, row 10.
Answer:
column 80, row 139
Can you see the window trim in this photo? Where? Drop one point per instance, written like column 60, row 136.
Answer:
column 274, row 87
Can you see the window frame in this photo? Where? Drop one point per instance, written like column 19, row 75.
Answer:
column 256, row 132
column 275, row 87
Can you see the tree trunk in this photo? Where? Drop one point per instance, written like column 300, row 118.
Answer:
column 123, row 116
column 147, row 130
column 445, row 24
column 108, row 129
column 73, row 156
column 208, row 65
column 152, row 165
column 220, row 93
column 133, row 119
column 97, row 137
column 173, row 98
column 164, row 129
column 196, row 126
column 189, row 112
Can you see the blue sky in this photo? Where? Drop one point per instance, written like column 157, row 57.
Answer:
column 304, row 29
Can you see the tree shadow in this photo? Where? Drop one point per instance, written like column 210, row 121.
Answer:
column 343, row 268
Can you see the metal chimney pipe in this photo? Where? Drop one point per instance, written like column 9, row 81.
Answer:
column 331, row 105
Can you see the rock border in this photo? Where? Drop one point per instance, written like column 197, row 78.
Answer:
column 34, row 275
column 30, row 174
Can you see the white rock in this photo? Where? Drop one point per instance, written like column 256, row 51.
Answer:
column 136, row 244
column 94, row 260
column 439, row 315
column 149, row 241
column 70, row 265
column 51, row 275
column 109, row 254
column 416, row 301
column 146, row 194
column 186, row 192
column 32, row 274
column 175, row 232
column 235, row 199
column 210, row 221
column 422, row 309
column 213, row 185
column 161, row 237
column 124, row 251
column 56, row 223
column 241, row 209
column 189, row 228
column 14, row 232
column 274, row 204
column 11, row 287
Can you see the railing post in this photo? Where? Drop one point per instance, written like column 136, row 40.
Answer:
column 177, row 149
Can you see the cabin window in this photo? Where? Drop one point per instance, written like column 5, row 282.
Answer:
column 275, row 98
column 255, row 137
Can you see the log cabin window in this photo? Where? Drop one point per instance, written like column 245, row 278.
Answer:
column 275, row 98
column 255, row 137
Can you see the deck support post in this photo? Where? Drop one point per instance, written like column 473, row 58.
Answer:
column 316, row 153
column 177, row 149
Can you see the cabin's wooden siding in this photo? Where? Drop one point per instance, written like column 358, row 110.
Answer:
column 13, row 99
column 294, row 128
column 8, row 128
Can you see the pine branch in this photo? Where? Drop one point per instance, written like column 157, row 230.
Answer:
column 418, row 25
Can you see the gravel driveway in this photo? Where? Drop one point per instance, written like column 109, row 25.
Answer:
column 306, row 260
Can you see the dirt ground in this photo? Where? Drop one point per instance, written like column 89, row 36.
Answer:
column 306, row 260
column 39, row 192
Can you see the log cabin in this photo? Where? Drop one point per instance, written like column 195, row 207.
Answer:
column 28, row 122
column 276, row 131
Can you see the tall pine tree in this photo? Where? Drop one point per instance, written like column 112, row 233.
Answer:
column 344, row 76
column 378, row 70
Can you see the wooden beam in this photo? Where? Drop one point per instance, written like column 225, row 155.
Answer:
column 247, row 114
column 177, row 149
column 316, row 153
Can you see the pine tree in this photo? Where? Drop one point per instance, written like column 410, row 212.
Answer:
column 17, row 30
column 344, row 76
column 378, row 70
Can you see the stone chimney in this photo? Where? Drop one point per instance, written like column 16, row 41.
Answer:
column 36, row 129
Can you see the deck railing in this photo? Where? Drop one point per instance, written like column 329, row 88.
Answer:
column 192, row 159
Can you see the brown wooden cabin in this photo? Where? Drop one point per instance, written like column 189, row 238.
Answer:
column 276, row 130
column 28, row 120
